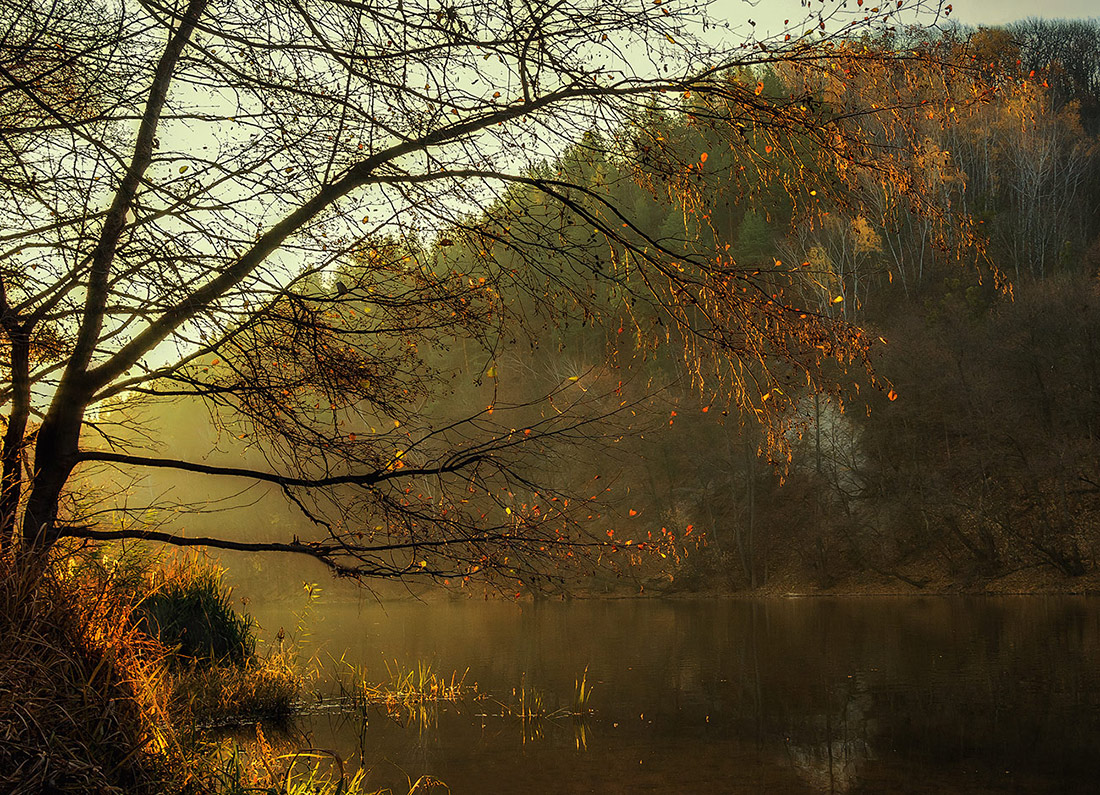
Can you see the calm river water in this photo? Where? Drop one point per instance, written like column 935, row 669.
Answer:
column 873, row 695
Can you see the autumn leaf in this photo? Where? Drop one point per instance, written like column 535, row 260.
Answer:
column 892, row 395
column 838, row 299
column 759, row 89
column 703, row 157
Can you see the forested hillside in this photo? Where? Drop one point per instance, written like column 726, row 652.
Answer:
column 965, row 268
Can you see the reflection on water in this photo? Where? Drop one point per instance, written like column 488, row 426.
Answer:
column 799, row 696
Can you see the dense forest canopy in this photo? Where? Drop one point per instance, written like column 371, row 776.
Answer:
column 404, row 269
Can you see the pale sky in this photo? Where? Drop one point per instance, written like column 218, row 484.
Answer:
column 769, row 14
column 995, row 12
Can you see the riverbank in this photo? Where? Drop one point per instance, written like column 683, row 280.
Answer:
column 120, row 679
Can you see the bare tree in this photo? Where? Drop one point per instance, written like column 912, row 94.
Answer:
column 181, row 179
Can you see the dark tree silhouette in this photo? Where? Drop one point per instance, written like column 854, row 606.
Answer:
column 181, row 179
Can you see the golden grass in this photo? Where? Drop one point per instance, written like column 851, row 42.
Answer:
column 265, row 689
column 91, row 704
column 262, row 767
column 82, row 707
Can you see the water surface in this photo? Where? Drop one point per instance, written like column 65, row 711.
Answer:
column 875, row 695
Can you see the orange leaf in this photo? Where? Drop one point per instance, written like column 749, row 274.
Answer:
column 703, row 157
column 633, row 512
column 759, row 89
column 892, row 395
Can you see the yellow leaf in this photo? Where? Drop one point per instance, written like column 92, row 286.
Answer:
column 838, row 299
column 491, row 372
column 183, row 169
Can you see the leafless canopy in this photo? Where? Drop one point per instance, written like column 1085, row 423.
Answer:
column 181, row 179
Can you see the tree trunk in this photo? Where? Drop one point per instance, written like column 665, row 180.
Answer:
column 11, row 480
column 55, row 455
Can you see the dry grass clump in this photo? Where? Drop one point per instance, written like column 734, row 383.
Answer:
column 262, row 689
column 93, row 699
column 92, row 703
column 277, row 768
column 81, row 707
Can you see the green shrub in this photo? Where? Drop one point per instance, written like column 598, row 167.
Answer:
column 193, row 614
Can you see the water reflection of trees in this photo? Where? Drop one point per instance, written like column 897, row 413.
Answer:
column 808, row 695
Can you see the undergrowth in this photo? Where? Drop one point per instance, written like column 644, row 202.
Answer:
column 188, row 608
column 83, row 707
column 97, row 698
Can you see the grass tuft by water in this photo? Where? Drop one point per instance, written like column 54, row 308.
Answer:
column 259, row 767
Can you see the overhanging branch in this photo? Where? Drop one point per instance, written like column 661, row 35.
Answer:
column 366, row 479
